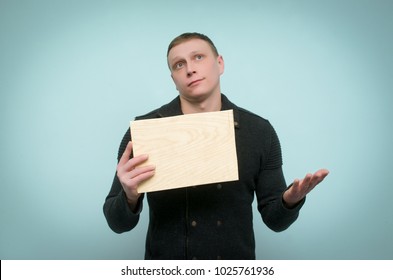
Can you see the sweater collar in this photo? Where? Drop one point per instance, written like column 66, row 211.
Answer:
column 173, row 108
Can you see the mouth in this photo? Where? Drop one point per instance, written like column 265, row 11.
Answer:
column 194, row 82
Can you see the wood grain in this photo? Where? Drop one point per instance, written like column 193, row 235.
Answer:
column 187, row 150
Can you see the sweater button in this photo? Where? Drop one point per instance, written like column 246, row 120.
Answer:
column 219, row 187
column 193, row 223
column 219, row 223
column 218, row 257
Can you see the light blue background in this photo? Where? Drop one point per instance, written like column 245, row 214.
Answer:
column 74, row 73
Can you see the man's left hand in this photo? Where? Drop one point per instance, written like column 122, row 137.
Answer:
column 300, row 188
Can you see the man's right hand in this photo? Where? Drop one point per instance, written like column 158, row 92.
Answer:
column 130, row 175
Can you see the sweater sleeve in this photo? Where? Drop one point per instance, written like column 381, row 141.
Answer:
column 119, row 216
column 270, row 188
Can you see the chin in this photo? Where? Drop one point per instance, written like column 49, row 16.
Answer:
column 197, row 96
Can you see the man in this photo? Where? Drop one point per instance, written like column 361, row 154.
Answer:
column 211, row 221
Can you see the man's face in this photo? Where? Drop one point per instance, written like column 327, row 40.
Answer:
column 195, row 69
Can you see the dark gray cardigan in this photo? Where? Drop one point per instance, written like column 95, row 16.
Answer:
column 212, row 221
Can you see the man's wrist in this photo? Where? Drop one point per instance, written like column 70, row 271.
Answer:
column 289, row 205
column 132, row 203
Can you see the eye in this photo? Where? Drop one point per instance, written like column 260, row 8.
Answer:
column 178, row 65
column 198, row 57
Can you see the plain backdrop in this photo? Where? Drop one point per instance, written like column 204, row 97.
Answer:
column 74, row 73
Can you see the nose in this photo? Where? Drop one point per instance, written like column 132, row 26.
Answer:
column 190, row 70
column 190, row 73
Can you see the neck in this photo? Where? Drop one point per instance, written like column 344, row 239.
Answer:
column 192, row 106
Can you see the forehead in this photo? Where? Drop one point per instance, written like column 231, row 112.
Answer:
column 190, row 46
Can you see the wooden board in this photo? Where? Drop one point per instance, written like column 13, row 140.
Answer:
column 187, row 150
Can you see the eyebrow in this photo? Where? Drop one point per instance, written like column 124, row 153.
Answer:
column 192, row 53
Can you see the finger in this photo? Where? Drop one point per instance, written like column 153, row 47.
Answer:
column 295, row 183
column 306, row 181
column 140, row 171
column 297, row 189
column 318, row 177
column 132, row 183
column 134, row 162
column 126, row 154
column 322, row 173
column 144, row 176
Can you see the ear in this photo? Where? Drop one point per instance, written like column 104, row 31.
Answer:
column 220, row 61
